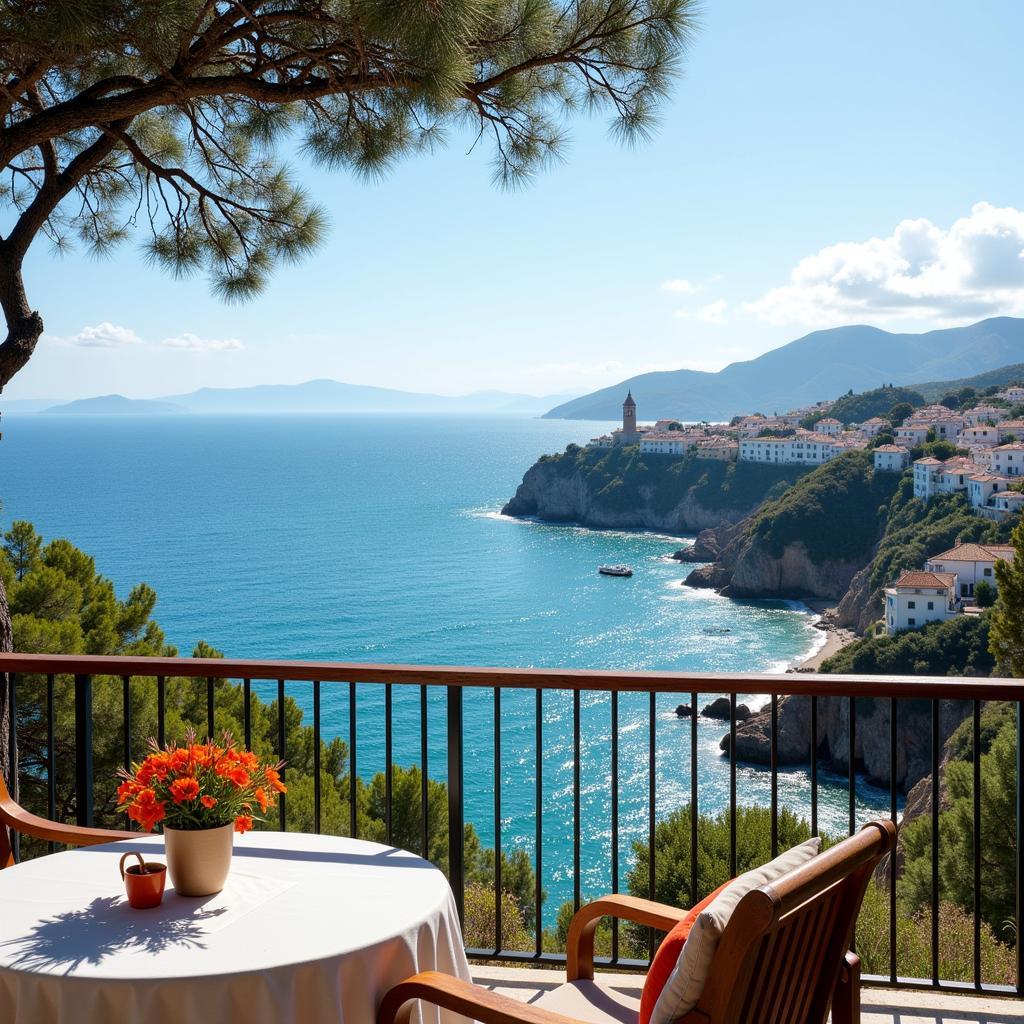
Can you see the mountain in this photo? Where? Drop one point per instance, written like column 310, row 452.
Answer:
column 933, row 390
column 819, row 365
column 113, row 405
column 334, row 396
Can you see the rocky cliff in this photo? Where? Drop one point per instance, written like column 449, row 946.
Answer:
column 619, row 488
column 809, row 542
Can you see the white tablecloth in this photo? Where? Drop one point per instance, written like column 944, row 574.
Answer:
column 309, row 930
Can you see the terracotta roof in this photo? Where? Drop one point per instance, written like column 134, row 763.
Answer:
column 919, row 578
column 976, row 553
column 927, row 462
column 891, row 448
column 1015, row 447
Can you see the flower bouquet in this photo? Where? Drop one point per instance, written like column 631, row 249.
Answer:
column 200, row 794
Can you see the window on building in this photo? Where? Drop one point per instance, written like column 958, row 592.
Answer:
column 911, row 622
column 931, row 606
column 911, row 604
column 988, row 571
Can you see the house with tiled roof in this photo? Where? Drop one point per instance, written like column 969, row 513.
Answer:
column 982, row 485
column 891, row 458
column 971, row 563
column 919, row 597
column 926, row 473
column 1008, row 459
column 873, row 426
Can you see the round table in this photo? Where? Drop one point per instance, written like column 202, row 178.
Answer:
column 310, row 929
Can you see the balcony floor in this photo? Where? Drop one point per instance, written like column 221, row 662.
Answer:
column 879, row 1005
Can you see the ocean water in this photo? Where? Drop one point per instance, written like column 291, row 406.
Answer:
column 379, row 539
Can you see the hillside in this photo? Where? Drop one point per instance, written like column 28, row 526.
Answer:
column 876, row 402
column 620, row 488
column 113, row 405
column 933, row 390
column 809, row 541
column 819, row 365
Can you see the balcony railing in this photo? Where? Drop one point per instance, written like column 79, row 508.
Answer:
column 444, row 690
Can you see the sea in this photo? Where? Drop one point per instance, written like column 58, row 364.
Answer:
column 379, row 538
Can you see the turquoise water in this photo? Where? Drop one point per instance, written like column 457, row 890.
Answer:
column 378, row 539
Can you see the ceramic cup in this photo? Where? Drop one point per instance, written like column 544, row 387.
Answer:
column 144, row 882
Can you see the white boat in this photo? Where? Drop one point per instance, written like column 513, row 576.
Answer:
column 615, row 570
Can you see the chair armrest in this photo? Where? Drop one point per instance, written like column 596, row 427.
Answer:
column 17, row 818
column 580, row 942
column 472, row 1001
column 846, row 998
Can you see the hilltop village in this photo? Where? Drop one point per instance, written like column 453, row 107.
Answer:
column 980, row 455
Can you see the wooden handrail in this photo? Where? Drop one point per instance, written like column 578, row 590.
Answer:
column 798, row 684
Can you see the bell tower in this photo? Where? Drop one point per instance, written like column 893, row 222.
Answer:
column 629, row 414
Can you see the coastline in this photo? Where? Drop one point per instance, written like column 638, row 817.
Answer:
column 835, row 640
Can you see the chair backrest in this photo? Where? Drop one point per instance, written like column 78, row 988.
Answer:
column 779, row 958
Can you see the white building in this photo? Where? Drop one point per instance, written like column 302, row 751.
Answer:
column 926, row 472
column 920, row 597
column 981, row 486
column 1006, row 503
column 670, row 442
column 804, row 448
column 984, row 414
column 891, row 458
column 604, row 441
column 723, row 449
column 828, row 426
column 971, row 563
column 1013, row 394
column 1008, row 459
column 873, row 426
column 910, row 435
column 982, row 436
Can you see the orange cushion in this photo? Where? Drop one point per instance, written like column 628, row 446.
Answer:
column 664, row 961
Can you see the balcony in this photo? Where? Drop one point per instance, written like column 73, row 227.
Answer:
column 584, row 813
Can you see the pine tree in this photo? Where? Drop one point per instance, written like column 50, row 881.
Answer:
column 1006, row 636
column 163, row 118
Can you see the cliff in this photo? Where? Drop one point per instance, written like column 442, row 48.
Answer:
column 619, row 488
column 808, row 542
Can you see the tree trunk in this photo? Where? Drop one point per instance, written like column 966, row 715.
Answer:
column 7, row 769
column 24, row 325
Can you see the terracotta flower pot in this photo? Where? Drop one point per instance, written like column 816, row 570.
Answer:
column 198, row 861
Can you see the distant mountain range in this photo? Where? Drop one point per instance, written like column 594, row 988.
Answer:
column 821, row 365
column 314, row 396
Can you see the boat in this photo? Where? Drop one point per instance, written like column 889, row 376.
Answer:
column 615, row 570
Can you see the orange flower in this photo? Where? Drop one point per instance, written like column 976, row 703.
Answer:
column 127, row 791
column 262, row 799
column 243, row 823
column 208, row 802
column 184, row 789
column 144, row 775
column 180, row 761
column 147, row 810
column 273, row 777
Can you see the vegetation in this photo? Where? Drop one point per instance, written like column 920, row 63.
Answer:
column 619, row 477
column 1008, row 613
column 958, row 646
column 877, row 402
column 837, row 511
column 984, row 384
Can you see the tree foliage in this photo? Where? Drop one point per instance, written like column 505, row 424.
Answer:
column 169, row 116
column 1007, row 638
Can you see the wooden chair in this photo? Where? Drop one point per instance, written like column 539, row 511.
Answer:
column 783, row 958
column 14, row 817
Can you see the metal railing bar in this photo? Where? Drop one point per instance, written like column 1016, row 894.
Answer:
column 652, row 808
column 774, row 758
column 893, row 772
column 694, row 877
column 211, row 726
column 12, row 747
column 456, row 797
column 83, row 750
column 424, row 766
column 161, row 710
column 615, row 816
column 353, row 778
column 852, row 764
column 538, row 726
column 498, row 923
column 1019, row 907
column 51, row 756
column 814, row 765
column 247, row 712
column 939, row 687
column 576, row 800
column 126, row 721
column 936, row 796
column 976, row 834
column 732, row 785
column 317, row 795
column 282, row 810
column 388, row 764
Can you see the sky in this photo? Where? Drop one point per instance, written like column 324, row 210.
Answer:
column 818, row 164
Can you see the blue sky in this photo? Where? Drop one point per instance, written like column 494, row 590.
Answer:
column 800, row 132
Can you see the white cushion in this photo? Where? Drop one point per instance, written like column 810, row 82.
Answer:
column 685, row 984
column 594, row 1002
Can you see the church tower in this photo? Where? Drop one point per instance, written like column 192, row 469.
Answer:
column 629, row 414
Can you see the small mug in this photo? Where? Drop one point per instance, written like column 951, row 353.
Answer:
column 144, row 881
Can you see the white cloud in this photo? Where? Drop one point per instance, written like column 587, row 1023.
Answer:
column 973, row 269
column 193, row 343
column 680, row 285
column 104, row 335
column 713, row 312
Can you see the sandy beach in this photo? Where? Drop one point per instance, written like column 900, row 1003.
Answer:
column 835, row 640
